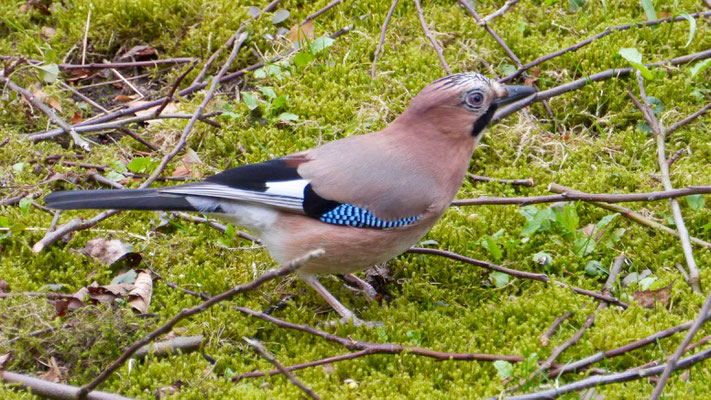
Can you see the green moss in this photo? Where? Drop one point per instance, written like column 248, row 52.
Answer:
column 437, row 303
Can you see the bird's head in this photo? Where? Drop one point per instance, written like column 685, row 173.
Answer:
column 462, row 105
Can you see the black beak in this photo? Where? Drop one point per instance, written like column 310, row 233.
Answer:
column 514, row 93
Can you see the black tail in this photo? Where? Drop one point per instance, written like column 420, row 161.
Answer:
column 124, row 199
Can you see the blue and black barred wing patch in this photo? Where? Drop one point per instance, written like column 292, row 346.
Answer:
column 346, row 214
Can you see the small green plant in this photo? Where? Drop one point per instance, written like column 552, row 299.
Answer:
column 269, row 106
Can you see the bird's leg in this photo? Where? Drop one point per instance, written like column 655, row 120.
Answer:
column 346, row 314
column 370, row 292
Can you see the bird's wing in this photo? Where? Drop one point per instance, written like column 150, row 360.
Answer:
column 344, row 184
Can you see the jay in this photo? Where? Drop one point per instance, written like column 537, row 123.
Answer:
column 362, row 199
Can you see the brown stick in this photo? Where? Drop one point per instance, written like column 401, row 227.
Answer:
column 185, row 313
column 627, row 213
column 600, row 76
column 184, row 344
column 328, row 360
column 263, row 352
column 589, row 40
column 690, row 118
column 660, row 138
column 431, row 38
column 66, row 128
column 321, row 11
column 173, row 88
column 500, row 11
column 51, row 390
column 382, row 37
column 546, row 336
column 519, row 182
column 516, row 273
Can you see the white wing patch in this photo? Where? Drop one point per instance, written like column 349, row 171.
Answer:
column 288, row 195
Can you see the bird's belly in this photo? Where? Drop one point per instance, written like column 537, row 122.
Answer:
column 347, row 249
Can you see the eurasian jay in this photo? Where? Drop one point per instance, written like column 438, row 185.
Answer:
column 363, row 199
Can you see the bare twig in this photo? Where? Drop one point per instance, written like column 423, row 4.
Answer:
column 674, row 363
column 607, row 288
column 327, row 360
column 676, row 156
column 220, row 227
column 587, row 41
column 119, row 65
column 518, row 274
column 690, row 118
column 263, row 352
column 383, row 29
column 86, row 36
column 660, row 137
column 169, row 96
column 546, row 336
column 66, row 128
column 431, row 38
column 613, row 378
column 518, row 182
column 52, row 390
column 321, row 11
column 500, row 11
column 627, row 213
column 600, row 76
column 83, row 97
column 185, row 313
column 184, row 344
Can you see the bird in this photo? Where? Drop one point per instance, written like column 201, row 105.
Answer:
column 363, row 199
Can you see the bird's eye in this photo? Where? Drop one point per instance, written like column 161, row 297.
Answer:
column 475, row 99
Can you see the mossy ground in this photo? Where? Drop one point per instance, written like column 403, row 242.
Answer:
column 438, row 303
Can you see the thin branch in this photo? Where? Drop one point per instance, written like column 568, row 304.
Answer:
column 660, row 137
column 516, row 273
column 263, row 352
column 618, row 351
column 52, row 390
column 600, row 76
column 120, row 65
column 184, row 344
column 383, row 29
column 327, row 360
column 627, row 213
column 500, row 11
column 185, row 313
column 220, row 227
column 587, row 41
column 599, row 380
column 321, row 11
column 546, row 336
column 674, row 363
column 66, row 128
column 517, row 182
column 690, row 118
column 431, row 38
column 169, row 97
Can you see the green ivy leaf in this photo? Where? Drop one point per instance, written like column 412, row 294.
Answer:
column 4, row 222
column 699, row 67
column 25, row 204
column 500, row 278
column 493, row 248
column 595, row 268
column 303, row 59
column 268, row 92
column 141, row 164
column 634, row 57
column 648, row 6
column 321, row 44
column 504, row 369
column 288, row 117
column 250, row 100
column 695, row 201
column 49, row 73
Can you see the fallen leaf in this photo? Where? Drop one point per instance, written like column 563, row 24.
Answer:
column 647, row 298
column 46, row 99
column 299, row 32
column 111, row 251
column 72, row 303
column 169, row 109
column 530, row 81
column 140, row 296
column 142, row 52
column 181, row 171
column 76, row 118
column 4, row 286
column 124, row 98
column 280, row 16
column 46, row 32
column 54, row 372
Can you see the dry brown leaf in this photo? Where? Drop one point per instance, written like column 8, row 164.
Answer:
column 299, row 32
column 180, row 171
column 124, row 98
column 143, row 52
column 169, row 109
column 647, row 298
column 140, row 296
column 530, row 81
column 44, row 97
column 71, row 303
column 4, row 286
column 111, row 251
column 54, row 103
column 47, row 32
column 54, row 372
column 592, row 230
column 76, row 118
